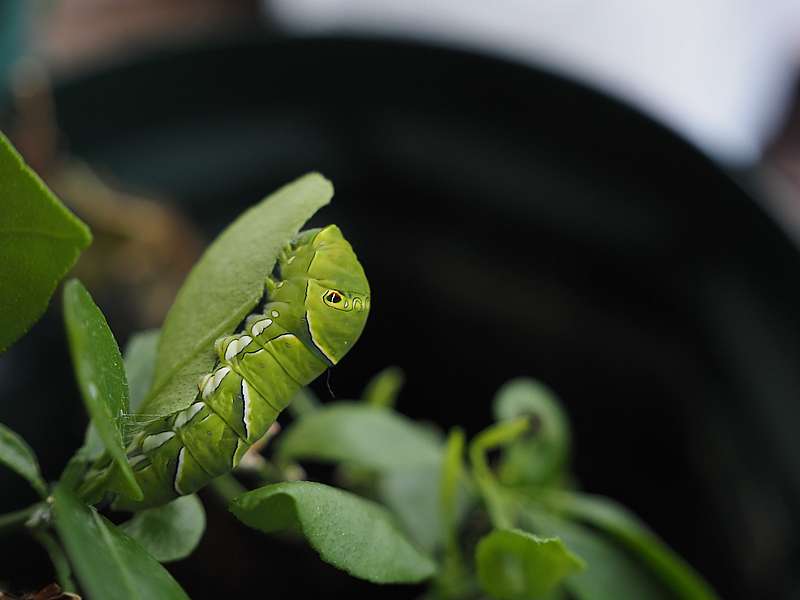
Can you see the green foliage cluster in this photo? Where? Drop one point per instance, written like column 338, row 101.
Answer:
column 413, row 503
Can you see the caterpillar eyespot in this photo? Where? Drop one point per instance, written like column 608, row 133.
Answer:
column 294, row 339
column 343, row 301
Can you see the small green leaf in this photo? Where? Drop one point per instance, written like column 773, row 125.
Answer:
column 40, row 240
column 224, row 287
column 611, row 573
column 170, row 532
column 109, row 563
column 359, row 435
column 140, row 363
column 606, row 515
column 540, row 457
column 517, row 565
column 18, row 456
column 349, row 532
column 101, row 377
column 383, row 388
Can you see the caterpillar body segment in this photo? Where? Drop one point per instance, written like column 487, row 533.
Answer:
column 317, row 303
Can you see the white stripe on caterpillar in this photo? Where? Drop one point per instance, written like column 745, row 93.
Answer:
column 213, row 382
column 259, row 326
column 187, row 415
column 179, row 470
column 152, row 442
column 247, row 407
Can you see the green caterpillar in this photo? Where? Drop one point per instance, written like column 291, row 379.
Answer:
column 316, row 308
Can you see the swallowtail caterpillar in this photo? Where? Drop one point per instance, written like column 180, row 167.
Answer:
column 316, row 306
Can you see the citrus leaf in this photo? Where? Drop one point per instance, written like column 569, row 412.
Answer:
column 517, row 565
column 224, row 287
column 169, row 532
column 40, row 240
column 109, row 563
column 614, row 519
column 359, row 435
column 139, row 359
column 101, row 377
column 140, row 362
column 611, row 572
column 348, row 532
column 18, row 456
column 413, row 497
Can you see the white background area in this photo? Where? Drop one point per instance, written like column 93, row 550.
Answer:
column 720, row 72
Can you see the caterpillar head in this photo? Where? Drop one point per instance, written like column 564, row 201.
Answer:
column 336, row 318
column 337, row 294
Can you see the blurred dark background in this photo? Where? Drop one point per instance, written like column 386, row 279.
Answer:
column 517, row 214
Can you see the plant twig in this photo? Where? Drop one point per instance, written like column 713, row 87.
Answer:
column 13, row 521
column 227, row 487
column 496, row 436
column 57, row 557
column 267, row 472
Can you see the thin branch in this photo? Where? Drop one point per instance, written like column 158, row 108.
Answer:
column 227, row 487
column 57, row 557
column 13, row 521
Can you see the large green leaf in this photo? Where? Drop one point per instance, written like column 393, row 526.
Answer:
column 109, row 563
column 360, row 435
column 517, row 565
column 101, row 377
column 139, row 359
column 224, row 287
column 40, row 240
column 140, row 364
column 413, row 496
column 169, row 532
column 622, row 525
column 18, row 456
column 349, row 532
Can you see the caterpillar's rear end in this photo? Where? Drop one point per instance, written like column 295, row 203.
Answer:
column 316, row 307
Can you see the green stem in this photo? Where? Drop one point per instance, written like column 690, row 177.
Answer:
column 496, row 436
column 13, row 521
column 227, row 487
column 494, row 503
column 452, row 474
column 268, row 473
column 57, row 557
